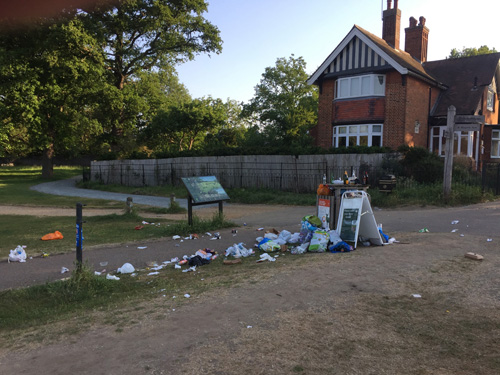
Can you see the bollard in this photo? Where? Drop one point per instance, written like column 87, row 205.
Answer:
column 79, row 235
column 172, row 199
column 130, row 204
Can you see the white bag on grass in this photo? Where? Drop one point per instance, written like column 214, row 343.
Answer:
column 17, row 255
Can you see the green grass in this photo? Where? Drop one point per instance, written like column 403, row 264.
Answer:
column 15, row 183
column 32, row 307
column 97, row 230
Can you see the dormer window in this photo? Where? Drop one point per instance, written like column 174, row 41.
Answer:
column 360, row 86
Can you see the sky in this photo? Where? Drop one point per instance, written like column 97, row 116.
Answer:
column 255, row 33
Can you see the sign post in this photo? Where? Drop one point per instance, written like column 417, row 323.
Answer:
column 203, row 190
column 79, row 235
column 454, row 124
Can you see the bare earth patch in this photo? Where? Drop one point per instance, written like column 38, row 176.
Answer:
column 349, row 313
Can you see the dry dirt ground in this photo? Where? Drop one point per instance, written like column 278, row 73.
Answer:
column 418, row 307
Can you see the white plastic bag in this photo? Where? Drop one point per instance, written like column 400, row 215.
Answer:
column 17, row 255
column 126, row 268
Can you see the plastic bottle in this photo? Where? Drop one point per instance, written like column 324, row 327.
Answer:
column 324, row 179
column 365, row 179
column 346, row 178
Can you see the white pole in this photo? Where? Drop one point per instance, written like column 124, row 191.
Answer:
column 448, row 154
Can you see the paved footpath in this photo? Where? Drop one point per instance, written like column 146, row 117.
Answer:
column 481, row 219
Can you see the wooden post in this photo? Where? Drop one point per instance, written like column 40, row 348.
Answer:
column 448, row 154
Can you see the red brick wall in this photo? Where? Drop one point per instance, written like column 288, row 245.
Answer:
column 417, row 109
column 395, row 105
column 323, row 132
column 359, row 110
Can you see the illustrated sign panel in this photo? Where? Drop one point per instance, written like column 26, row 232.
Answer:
column 349, row 225
column 205, row 189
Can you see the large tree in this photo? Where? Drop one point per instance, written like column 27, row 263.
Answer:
column 284, row 104
column 467, row 52
column 184, row 126
column 47, row 76
column 139, row 36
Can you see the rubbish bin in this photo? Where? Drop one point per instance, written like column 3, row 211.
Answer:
column 328, row 207
column 387, row 183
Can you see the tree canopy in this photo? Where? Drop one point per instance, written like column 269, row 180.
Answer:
column 284, row 105
column 467, row 52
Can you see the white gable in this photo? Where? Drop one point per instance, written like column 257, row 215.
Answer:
column 356, row 51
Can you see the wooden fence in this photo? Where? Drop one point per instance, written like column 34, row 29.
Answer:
column 300, row 173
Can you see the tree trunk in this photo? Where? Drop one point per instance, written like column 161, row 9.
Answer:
column 47, row 162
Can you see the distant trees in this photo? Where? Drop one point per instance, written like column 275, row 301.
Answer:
column 284, row 105
column 467, row 52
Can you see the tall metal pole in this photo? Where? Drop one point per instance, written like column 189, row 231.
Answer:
column 79, row 236
column 448, row 154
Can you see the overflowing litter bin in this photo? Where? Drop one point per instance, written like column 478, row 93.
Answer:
column 328, row 206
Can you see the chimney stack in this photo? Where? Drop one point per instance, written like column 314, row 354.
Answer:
column 391, row 24
column 417, row 39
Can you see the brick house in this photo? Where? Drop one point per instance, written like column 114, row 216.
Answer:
column 372, row 93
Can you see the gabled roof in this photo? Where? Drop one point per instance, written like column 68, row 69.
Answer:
column 466, row 78
column 398, row 59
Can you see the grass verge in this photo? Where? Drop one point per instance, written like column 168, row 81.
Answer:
column 97, row 230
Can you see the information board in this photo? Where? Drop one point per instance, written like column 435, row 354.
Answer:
column 205, row 189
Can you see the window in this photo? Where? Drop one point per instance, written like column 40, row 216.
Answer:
column 357, row 135
column 359, row 86
column 463, row 142
column 490, row 101
column 495, row 144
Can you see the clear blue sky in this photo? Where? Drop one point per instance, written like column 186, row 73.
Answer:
column 257, row 32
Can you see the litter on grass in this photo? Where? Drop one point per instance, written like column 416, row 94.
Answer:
column 18, row 254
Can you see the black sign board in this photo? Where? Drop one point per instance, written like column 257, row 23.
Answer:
column 349, row 224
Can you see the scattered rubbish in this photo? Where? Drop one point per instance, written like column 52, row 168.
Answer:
column 337, row 245
column 153, row 273
column 232, row 261
column 45, row 255
column 264, row 257
column 234, row 231
column 208, row 234
column 416, row 296
column 423, row 230
column 216, row 236
column 190, row 269
column 454, row 222
column 177, row 267
column 260, row 229
column 238, row 251
column 489, row 240
column 182, row 262
column 462, row 235
column 53, row 236
column 112, row 277
column 174, row 260
column 249, row 327
column 18, row 254
column 97, row 273
column 126, row 268
column 474, row 256
column 103, row 264
column 268, row 245
column 142, row 247
column 454, row 231
column 319, row 241
column 138, row 227
column 301, row 249
column 64, row 270
column 176, row 237
column 187, row 295
column 244, row 224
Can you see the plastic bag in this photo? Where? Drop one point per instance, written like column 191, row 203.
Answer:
column 285, row 236
column 126, row 268
column 306, row 231
column 268, row 245
column 319, row 241
column 301, row 249
column 53, row 236
column 17, row 255
column 238, row 251
column 295, row 238
column 336, row 243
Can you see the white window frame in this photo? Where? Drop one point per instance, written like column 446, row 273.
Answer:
column 457, row 147
column 352, row 87
column 495, row 143
column 358, row 130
